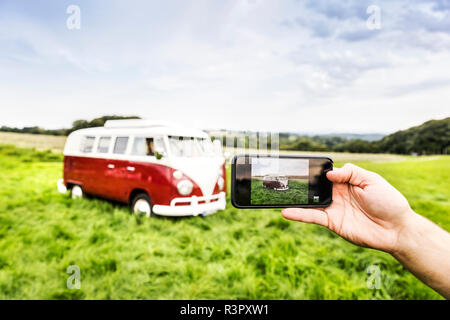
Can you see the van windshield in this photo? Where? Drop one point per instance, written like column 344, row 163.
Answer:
column 190, row 147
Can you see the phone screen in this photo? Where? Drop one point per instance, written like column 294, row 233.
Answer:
column 282, row 181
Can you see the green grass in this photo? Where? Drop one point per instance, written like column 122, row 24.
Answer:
column 297, row 193
column 234, row 254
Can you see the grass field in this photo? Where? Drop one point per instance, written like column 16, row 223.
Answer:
column 233, row 254
column 297, row 193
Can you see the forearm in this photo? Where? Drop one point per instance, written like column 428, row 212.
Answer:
column 424, row 249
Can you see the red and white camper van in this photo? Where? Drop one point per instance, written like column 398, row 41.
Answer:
column 155, row 167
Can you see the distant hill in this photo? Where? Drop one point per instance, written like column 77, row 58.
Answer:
column 431, row 137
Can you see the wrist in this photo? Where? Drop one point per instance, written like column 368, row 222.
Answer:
column 413, row 228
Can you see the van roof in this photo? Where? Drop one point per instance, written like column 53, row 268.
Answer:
column 141, row 127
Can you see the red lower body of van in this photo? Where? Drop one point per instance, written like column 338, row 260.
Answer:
column 120, row 180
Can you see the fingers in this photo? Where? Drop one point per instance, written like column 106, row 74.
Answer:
column 352, row 174
column 315, row 216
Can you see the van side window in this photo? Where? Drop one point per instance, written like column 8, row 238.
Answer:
column 103, row 144
column 143, row 147
column 121, row 145
column 87, row 144
column 160, row 146
column 148, row 146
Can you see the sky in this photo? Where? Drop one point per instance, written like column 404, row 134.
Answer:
column 310, row 66
column 282, row 166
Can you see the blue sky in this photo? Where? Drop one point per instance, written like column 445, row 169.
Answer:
column 308, row 66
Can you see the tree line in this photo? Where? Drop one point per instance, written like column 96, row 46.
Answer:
column 76, row 125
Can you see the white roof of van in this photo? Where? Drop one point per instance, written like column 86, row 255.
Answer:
column 141, row 127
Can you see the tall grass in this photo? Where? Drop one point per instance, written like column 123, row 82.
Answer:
column 234, row 254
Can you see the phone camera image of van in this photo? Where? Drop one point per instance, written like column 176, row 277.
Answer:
column 282, row 181
column 155, row 167
column 276, row 182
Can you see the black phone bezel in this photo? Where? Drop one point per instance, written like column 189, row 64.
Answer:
column 233, row 183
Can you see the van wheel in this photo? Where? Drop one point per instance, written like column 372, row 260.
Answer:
column 76, row 192
column 142, row 204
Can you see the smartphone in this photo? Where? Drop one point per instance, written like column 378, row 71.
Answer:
column 269, row 181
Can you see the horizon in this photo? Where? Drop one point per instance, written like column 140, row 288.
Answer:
column 306, row 133
column 225, row 129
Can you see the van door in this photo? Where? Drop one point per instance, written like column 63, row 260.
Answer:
column 101, row 185
column 137, row 169
column 117, row 171
column 147, row 169
column 84, row 167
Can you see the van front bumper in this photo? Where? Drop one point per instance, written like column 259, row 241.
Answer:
column 190, row 206
column 61, row 186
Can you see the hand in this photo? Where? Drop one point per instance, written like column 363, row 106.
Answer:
column 366, row 209
column 369, row 212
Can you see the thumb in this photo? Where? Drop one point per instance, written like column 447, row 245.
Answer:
column 351, row 174
column 316, row 216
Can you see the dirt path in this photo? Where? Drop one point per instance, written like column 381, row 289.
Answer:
column 38, row 141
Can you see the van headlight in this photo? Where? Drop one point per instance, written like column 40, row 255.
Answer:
column 220, row 183
column 185, row 187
